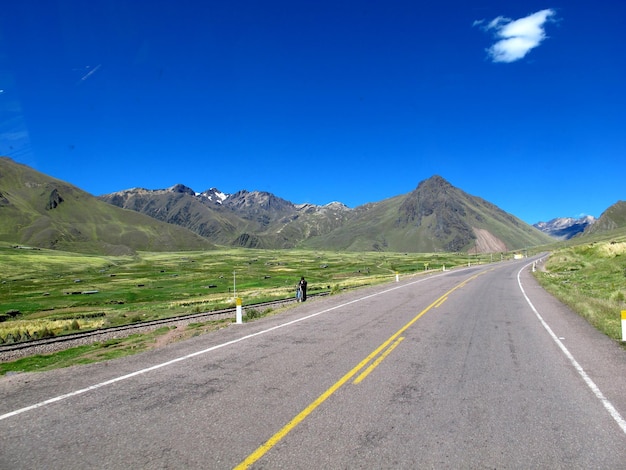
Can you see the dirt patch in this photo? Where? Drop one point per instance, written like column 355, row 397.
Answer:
column 172, row 336
column 486, row 242
column 182, row 332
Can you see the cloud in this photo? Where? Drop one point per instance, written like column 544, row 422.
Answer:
column 516, row 37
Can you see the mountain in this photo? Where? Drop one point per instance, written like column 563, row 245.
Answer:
column 44, row 212
column 434, row 217
column 564, row 228
column 41, row 211
column 612, row 218
column 254, row 219
column 179, row 205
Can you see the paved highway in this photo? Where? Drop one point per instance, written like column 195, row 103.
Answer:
column 471, row 368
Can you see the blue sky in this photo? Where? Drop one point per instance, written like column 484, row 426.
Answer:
column 520, row 103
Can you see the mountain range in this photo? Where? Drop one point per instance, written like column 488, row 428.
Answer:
column 564, row 228
column 436, row 216
column 41, row 211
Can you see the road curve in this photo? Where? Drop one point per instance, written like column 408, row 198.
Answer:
column 471, row 368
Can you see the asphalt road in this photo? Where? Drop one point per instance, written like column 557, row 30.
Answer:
column 471, row 368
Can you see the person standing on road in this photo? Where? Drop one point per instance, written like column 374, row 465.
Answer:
column 302, row 289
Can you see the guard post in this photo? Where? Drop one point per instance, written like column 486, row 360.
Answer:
column 238, row 315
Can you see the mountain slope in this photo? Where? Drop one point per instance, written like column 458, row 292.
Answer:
column 436, row 216
column 44, row 212
column 254, row 219
column 612, row 218
column 179, row 205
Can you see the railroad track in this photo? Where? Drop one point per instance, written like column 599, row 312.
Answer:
column 13, row 351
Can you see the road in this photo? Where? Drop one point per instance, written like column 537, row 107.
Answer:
column 471, row 368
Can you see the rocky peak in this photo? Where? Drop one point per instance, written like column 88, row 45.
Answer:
column 214, row 195
column 337, row 206
column 435, row 184
column 181, row 188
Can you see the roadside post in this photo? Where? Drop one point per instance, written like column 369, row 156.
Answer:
column 238, row 314
column 623, row 325
column 397, row 277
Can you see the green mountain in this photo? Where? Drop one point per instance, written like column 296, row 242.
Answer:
column 612, row 218
column 436, row 216
column 40, row 211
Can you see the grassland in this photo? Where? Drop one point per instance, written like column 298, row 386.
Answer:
column 45, row 293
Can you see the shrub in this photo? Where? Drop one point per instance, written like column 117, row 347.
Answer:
column 252, row 313
column 9, row 339
column 44, row 333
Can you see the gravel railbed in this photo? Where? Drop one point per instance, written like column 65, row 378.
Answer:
column 8, row 355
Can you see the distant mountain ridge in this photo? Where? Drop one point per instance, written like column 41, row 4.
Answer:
column 436, row 216
column 42, row 211
column 254, row 219
column 564, row 228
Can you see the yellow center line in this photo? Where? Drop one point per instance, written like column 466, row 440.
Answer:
column 276, row 438
column 374, row 364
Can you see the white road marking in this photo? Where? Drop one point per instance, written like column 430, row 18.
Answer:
column 590, row 383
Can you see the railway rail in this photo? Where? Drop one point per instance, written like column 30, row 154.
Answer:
column 13, row 351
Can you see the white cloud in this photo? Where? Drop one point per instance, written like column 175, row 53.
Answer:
column 516, row 37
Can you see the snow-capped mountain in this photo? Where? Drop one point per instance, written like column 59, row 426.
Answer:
column 564, row 228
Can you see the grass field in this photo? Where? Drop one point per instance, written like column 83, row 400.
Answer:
column 45, row 293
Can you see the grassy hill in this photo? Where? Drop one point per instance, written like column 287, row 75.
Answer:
column 612, row 218
column 40, row 211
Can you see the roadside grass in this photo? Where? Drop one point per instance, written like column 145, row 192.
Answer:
column 110, row 349
column 590, row 277
column 95, row 352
